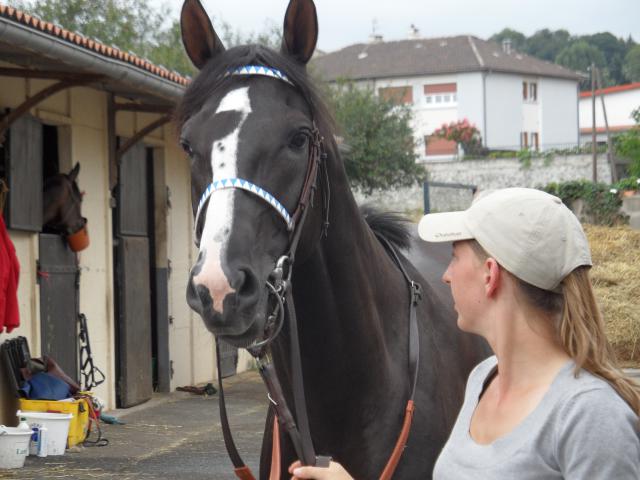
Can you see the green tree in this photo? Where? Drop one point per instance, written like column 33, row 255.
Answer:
column 627, row 145
column 546, row 44
column 169, row 52
column 136, row 26
column 380, row 138
column 518, row 40
column 614, row 50
column 631, row 67
column 131, row 25
column 580, row 55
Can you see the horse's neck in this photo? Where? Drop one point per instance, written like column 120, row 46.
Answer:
column 351, row 299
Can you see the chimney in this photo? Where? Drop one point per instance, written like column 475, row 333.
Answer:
column 506, row 46
column 414, row 33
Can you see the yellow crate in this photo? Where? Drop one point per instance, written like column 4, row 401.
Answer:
column 79, row 423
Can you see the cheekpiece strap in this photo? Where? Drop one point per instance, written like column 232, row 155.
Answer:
column 260, row 70
column 227, row 183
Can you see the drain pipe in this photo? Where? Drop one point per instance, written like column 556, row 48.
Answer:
column 88, row 61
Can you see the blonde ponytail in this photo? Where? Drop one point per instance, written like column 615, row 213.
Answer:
column 583, row 336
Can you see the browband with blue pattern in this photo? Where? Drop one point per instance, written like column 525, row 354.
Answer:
column 259, row 70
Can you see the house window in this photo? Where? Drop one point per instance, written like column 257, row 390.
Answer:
column 524, row 140
column 439, row 146
column 530, row 92
column 534, row 141
column 444, row 94
column 397, row 95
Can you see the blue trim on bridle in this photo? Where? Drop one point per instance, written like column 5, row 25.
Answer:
column 227, row 183
column 260, row 70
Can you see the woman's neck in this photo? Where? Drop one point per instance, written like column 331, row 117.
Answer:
column 527, row 347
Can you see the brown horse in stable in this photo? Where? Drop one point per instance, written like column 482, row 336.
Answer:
column 61, row 200
column 253, row 125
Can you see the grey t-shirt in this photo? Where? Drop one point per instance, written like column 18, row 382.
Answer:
column 582, row 429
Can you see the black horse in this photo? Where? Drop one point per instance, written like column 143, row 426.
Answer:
column 352, row 301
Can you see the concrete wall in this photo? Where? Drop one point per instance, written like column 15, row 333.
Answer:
column 81, row 116
column 485, row 174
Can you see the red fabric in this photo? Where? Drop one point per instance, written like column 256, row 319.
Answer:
column 9, row 273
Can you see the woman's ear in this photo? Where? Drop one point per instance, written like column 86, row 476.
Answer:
column 493, row 276
column 198, row 36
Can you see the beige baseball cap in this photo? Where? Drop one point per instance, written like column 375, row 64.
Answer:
column 529, row 232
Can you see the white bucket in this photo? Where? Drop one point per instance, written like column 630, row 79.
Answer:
column 57, row 425
column 14, row 446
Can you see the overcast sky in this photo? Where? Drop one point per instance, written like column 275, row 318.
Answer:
column 345, row 22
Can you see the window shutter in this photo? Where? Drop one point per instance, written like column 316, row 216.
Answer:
column 440, row 88
column 132, row 192
column 24, row 174
column 397, row 95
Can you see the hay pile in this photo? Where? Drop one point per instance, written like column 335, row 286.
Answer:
column 616, row 277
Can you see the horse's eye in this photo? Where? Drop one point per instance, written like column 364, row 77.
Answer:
column 187, row 148
column 299, row 140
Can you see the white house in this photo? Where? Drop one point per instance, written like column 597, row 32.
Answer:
column 514, row 100
column 619, row 102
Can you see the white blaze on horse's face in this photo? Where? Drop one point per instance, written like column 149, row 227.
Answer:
column 219, row 217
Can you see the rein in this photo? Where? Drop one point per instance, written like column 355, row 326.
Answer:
column 279, row 287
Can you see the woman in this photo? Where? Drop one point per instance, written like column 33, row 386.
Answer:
column 551, row 403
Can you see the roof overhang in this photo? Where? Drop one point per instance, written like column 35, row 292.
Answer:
column 35, row 50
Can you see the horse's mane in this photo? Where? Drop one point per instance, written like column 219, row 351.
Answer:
column 391, row 225
column 214, row 75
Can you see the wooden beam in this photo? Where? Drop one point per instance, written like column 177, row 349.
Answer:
column 29, row 103
column 112, row 142
column 142, row 133
column 142, row 107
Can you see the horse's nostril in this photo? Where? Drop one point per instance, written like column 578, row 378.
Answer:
column 247, row 284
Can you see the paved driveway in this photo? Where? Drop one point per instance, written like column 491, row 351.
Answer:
column 173, row 436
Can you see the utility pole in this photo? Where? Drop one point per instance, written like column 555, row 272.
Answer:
column 594, row 151
column 614, row 176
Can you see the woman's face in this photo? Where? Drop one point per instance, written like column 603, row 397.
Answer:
column 465, row 275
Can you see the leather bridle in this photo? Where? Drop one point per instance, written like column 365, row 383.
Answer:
column 279, row 288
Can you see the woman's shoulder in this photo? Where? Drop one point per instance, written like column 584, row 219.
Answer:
column 482, row 371
column 583, row 387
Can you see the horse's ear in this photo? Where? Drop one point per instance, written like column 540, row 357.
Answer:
column 73, row 174
column 198, row 36
column 300, row 30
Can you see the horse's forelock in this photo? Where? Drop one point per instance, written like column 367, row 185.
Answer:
column 213, row 77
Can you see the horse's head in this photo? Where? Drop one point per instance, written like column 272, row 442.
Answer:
column 61, row 204
column 252, row 130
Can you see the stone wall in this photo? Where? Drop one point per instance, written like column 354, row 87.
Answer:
column 485, row 174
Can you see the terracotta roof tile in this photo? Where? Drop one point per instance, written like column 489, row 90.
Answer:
column 54, row 30
column 614, row 89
